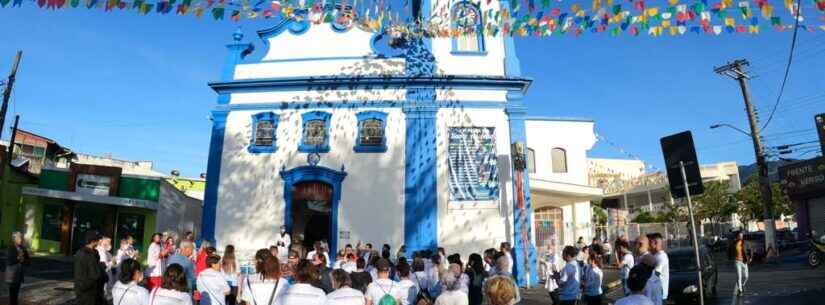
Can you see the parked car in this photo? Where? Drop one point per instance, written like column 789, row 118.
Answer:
column 684, row 280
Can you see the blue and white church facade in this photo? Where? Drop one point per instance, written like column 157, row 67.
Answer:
column 340, row 138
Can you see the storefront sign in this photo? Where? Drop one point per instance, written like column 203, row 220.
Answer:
column 803, row 179
column 85, row 197
column 93, row 184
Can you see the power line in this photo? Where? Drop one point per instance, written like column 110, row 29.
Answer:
column 788, row 66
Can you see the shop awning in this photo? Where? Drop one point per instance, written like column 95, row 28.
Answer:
column 553, row 193
column 83, row 197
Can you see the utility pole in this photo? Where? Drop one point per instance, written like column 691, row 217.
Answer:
column 736, row 71
column 7, row 91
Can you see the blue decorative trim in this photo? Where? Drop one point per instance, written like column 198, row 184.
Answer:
column 367, row 115
column 482, row 50
column 292, row 24
column 213, row 175
column 314, row 173
column 312, row 116
column 372, row 82
column 517, row 112
column 264, row 116
column 237, row 52
column 338, row 28
column 363, row 104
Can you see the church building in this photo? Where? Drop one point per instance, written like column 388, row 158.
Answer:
column 349, row 136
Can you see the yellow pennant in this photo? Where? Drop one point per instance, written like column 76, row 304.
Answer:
column 653, row 11
column 673, row 2
column 666, row 23
column 767, row 11
column 753, row 29
column 727, row 3
column 729, row 21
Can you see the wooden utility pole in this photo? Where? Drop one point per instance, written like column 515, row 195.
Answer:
column 736, row 71
column 7, row 91
column 11, row 142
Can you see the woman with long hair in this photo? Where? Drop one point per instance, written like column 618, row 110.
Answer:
column 230, row 269
column 155, row 261
column 477, row 276
column 126, row 290
column 344, row 294
column 266, row 287
column 173, row 288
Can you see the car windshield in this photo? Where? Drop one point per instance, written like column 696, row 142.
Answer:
column 680, row 262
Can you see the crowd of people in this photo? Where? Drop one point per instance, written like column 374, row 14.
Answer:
column 183, row 273
column 578, row 276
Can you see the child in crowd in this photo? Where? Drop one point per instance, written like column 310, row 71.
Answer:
column 570, row 277
column 636, row 280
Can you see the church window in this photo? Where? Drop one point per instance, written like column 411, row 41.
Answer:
column 531, row 160
column 472, row 164
column 264, row 127
column 468, row 36
column 559, row 156
column 315, row 132
column 371, row 132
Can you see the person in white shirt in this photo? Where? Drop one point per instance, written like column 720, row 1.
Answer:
column 212, row 283
column 593, row 276
column 154, row 261
column 506, row 249
column 550, row 270
column 344, row 294
column 266, row 287
column 283, row 241
column 126, row 290
column 383, row 286
column 662, row 261
column 434, row 274
column 104, row 248
column 407, row 284
column 124, row 252
column 173, row 291
column 452, row 294
column 637, row 279
column 302, row 292
column 570, row 277
column 653, row 287
column 463, row 279
column 625, row 264
column 232, row 272
column 420, row 276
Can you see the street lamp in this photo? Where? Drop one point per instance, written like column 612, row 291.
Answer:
column 714, row 126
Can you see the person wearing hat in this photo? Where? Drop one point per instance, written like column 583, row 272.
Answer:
column 383, row 287
column 89, row 274
column 636, row 281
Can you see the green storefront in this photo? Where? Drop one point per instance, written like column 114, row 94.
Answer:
column 68, row 202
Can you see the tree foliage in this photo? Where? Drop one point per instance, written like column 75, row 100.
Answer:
column 646, row 217
column 752, row 206
column 599, row 215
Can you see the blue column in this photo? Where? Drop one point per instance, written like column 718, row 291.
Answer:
column 516, row 112
column 420, row 175
column 213, row 175
column 237, row 51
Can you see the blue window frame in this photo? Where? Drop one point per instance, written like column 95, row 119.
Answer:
column 315, row 136
column 466, row 18
column 264, row 129
column 372, row 136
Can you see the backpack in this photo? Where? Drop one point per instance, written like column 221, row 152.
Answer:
column 423, row 297
column 387, row 299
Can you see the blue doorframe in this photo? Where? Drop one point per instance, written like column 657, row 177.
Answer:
column 315, row 173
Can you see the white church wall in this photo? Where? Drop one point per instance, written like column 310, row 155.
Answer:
column 468, row 227
column 251, row 204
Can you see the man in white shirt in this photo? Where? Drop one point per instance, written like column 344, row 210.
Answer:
column 407, row 284
column 653, row 287
column 283, row 241
column 302, row 292
column 637, row 279
column 662, row 261
column 384, row 286
column 212, row 283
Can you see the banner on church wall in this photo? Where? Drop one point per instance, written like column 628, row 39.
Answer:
column 473, row 164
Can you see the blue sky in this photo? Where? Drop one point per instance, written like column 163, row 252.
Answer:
column 135, row 86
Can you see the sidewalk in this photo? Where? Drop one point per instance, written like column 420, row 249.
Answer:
column 47, row 281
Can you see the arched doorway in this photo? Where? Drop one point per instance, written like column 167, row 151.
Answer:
column 311, row 209
column 313, row 188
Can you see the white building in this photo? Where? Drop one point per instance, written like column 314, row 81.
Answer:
column 340, row 138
